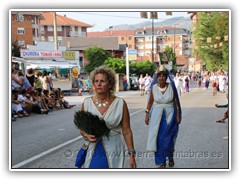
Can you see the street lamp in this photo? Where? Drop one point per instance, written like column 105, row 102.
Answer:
column 153, row 15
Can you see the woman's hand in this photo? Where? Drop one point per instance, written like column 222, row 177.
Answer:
column 178, row 117
column 147, row 119
column 88, row 137
column 132, row 162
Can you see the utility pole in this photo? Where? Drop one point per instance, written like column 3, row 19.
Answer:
column 152, row 40
column 174, row 39
column 127, row 65
column 153, row 15
column 55, row 31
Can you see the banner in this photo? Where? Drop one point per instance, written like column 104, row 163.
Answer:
column 40, row 54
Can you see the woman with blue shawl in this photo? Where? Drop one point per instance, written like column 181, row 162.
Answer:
column 163, row 115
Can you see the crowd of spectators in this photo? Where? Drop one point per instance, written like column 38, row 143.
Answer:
column 34, row 93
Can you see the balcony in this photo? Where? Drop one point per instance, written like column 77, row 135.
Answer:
column 77, row 34
column 35, row 26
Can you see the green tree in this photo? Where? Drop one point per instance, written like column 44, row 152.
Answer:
column 212, row 25
column 171, row 56
column 145, row 67
column 118, row 65
column 96, row 57
column 16, row 49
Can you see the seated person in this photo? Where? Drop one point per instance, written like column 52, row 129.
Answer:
column 16, row 105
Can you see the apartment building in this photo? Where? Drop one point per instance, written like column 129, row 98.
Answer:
column 25, row 27
column 66, row 27
column 148, row 41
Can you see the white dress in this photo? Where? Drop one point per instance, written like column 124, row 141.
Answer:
column 114, row 145
column 162, row 102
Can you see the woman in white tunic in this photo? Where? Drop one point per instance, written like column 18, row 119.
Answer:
column 163, row 114
column 108, row 152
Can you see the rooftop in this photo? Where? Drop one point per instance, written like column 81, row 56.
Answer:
column 61, row 20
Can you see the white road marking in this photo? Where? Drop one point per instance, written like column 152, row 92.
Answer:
column 54, row 148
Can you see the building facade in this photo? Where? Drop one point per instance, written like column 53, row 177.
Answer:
column 124, row 36
column 66, row 27
column 150, row 43
column 25, row 27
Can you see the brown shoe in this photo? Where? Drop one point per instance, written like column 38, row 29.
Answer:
column 171, row 163
column 162, row 166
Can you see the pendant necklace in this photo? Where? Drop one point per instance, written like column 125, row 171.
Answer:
column 101, row 105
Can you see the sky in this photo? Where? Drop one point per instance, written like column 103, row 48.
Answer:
column 102, row 20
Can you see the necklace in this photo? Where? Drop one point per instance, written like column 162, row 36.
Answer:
column 101, row 105
column 162, row 89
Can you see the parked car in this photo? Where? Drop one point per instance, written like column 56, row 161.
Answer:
column 133, row 83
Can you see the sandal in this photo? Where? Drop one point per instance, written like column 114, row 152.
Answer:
column 220, row 121
column 25, row 114
column 171, row 163
column 20, row 115
column 162, row 166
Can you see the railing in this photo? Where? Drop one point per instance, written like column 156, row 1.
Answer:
column 34, row 26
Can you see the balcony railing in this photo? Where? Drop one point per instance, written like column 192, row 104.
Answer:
column 34, row 26
column 77, row 34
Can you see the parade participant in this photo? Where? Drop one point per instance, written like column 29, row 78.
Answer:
column 141, row 82
column 178, row 83
column 163, row 115
column 147, row 85
column 108, row 152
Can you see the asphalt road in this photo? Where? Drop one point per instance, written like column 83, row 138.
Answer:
column 52, row 141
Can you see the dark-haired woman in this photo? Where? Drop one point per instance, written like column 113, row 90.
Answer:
column 163, row 115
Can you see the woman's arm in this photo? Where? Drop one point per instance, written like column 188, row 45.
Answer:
column 178, row 111
column 127, row 134
column 149, row 106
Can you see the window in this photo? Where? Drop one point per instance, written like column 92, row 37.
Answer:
column 180, row 37
column 42, row 38
column 130, row 46
column 129, row 38
column 50, row 38
column 59, row 38
column 20, row 30
column 180, row 52
column 59, row 28
column 50, row 28
column 42, row 29
column 122, row 38
column 34, row 20
column 72, row 28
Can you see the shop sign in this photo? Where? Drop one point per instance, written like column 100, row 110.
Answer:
column 40, row 54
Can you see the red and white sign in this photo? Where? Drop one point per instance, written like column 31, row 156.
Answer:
column 40, row 54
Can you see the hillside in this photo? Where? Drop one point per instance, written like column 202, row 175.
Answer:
column 178, row 21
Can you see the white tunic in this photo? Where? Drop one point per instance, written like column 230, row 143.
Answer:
column 162, row 102
column 114, row 145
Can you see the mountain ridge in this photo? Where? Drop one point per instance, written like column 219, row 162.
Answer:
column 180, row 21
